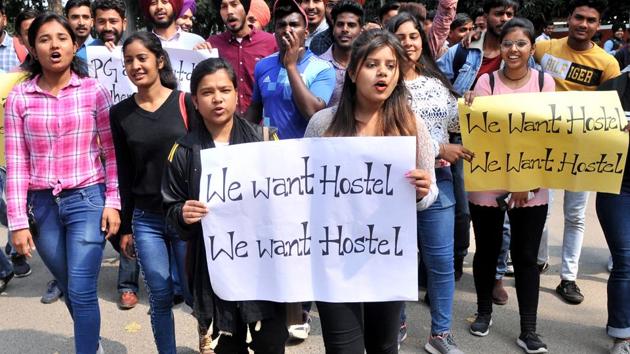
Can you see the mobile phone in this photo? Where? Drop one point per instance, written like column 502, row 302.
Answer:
column 32, row 222
column 502, row 201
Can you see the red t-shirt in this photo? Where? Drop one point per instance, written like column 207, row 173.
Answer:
column 488, row 65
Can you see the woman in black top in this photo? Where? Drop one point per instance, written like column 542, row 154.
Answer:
column 612, row 212
column 213, row 85
column 144, row 127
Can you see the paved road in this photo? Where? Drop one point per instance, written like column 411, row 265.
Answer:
column 27, row 326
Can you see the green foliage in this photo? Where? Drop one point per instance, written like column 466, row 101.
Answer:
column 14, row 7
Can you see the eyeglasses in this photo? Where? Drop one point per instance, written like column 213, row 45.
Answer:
column 520, row 44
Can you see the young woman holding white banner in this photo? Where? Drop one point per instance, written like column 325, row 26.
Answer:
column 374, row 103
column 144, row 127
column 213, row 86
column 433, row 100
column 527, row 210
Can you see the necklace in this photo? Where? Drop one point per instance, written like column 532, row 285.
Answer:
column 519, row 79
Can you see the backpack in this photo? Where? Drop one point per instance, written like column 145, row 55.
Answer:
column 182, row 108
column 458, row 61
column 541, row 81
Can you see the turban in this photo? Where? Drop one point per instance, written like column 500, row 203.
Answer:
column 260, row 11
column 188, row 5
column 176, row 4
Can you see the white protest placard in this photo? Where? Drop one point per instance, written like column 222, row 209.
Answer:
column 328, row 219
column 108, row 67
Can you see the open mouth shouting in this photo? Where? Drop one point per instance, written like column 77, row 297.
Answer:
column 55, row 57
column 381, row 86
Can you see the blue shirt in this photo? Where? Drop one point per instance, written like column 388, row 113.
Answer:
column 82, row 52
column 8, row 57
column 273, row 90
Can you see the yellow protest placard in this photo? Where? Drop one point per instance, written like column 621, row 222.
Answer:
column 7, row 81
column 563, row 140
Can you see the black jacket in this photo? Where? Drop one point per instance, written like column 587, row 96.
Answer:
column 181, row 183
column 620, row 84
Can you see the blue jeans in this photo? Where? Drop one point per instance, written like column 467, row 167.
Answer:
column 462, row 213
column 505, row 249
column 155, row 241
column 6, row 267
column 435, row 240
column 128, row 272
column 612, row 211
column 574, row 213
column 70, row 242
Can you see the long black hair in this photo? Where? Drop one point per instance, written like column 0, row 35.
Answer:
column 426, row 64
column 78, row 66
column 153, row 44
column 397, row 119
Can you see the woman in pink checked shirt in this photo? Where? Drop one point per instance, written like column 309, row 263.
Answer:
column 62, row 192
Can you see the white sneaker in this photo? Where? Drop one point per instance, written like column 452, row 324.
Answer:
column 300, row 331
column 609, row 266
column 620, row 347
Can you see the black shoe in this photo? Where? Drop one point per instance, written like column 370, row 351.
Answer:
column 481, row 326
column 4, row 281
column 178, row 299
column 52, row 294
column 459, row 267
column 427, row 300
column 531, row 343
column 20, row 267
column 543, row 267
column 570, row 292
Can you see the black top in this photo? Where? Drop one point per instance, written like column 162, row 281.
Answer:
column 143, row 140
column 621, row 84
column 181, row 183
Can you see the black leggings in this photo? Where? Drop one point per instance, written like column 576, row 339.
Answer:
column 269, row 339
column 526, row 226
column 357, row 328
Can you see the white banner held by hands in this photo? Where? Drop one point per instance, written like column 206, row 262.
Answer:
column 329, row 219
column 108, row 67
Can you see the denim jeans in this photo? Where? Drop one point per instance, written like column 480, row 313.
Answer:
column 128, row 273
column 6, row 267
column 612, row 211
column 435, row 240
column 462, row 213
column 155, row 241
column 70, row 242
column 543, row 251
column 574, row 212
column 505, row 249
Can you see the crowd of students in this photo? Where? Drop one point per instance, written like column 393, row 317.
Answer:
column 82, row 170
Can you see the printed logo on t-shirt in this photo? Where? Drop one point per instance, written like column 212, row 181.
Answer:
column 566, row 70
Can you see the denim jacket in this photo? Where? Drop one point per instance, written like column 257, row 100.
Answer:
column 468, row 71
column 470, row 68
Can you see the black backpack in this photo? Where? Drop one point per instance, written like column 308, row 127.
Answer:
column 541, row 81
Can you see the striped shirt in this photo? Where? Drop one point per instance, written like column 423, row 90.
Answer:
column 56, row 142
column 8, row 56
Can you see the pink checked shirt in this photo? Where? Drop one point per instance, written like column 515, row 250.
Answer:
column 56, row 142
